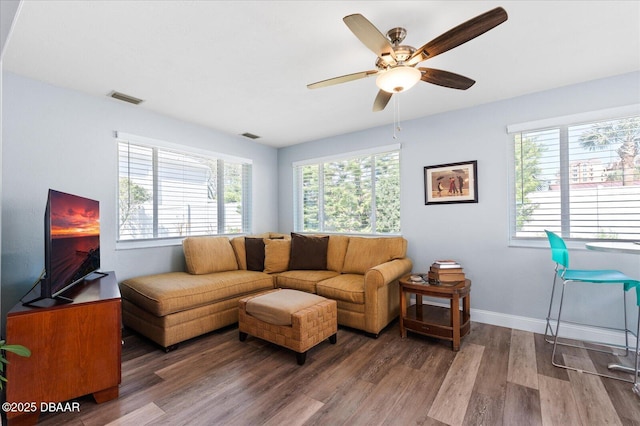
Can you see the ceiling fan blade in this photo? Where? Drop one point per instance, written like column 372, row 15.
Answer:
column 446, row 78
column 342, row 79
column 459, row 35
column 370, row 36
column 381, row 100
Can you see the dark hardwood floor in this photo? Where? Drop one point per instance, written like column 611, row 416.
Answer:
column 499, row 377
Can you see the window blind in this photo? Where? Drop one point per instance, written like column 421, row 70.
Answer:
column 166, row 193
column 580, row 180
column 359, row 193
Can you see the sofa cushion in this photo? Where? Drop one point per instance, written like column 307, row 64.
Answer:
column 276, row 255
column 276, row 307
column 204, row 255
column 171, row 292
column 365, row 253
column 347, row 287
column 308, row 252
column 254, row 248
column 303, row 280
column 336, row 250
column 241, row 255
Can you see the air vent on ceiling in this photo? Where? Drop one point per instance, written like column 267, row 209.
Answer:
column 125, row 98
column 250, row 135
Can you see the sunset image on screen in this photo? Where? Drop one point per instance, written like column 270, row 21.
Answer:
column 73, row 216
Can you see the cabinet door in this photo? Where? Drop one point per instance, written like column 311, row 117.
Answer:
column 75, row 351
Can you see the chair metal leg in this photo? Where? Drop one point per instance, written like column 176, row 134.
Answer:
column 618, row 367
column 555, row 340
column 636, row 384
column 548, row 337
column 626, row 327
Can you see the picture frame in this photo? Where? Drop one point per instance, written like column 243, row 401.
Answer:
column 442, row 183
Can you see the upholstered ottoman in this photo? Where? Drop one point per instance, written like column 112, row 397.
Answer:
column 294, row 319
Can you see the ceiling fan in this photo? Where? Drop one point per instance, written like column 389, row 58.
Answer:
column 396, row 63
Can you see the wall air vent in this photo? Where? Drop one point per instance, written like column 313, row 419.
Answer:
column 126, row 98
column 250, row 135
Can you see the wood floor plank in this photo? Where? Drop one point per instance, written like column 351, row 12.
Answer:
column 522, row 406
column 343, row 403
column 145, row 415
column 422, row 387
column 216, row 379
column 557, row 405
column 522, row 360
column 486, row 405
column 353, row 362
column 376, row 406
column 592, row 400
column 543, row 359
column 625, row 402
column 296, row 413
column 492, row 374
column 453, row 397
column 484, row 410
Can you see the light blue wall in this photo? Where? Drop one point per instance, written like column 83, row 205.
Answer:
column 506, row 280
column 62, row 139
column 56, row 138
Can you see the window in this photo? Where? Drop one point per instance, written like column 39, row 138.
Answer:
column 167, row 193
column 581, row 180
column 356, row 193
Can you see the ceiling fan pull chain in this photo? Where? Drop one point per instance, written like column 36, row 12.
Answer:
column 395, row 112
column 396, row 115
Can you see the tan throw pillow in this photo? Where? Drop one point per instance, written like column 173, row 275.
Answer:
column 308, row 252
column 336, row 251
column 365, row 253
column 276, row 255
column 241, row 256
column 204, row 255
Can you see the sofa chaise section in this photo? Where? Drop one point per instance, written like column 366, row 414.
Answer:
column 172, row 307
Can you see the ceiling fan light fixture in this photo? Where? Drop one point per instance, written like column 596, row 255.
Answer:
column 398, row 79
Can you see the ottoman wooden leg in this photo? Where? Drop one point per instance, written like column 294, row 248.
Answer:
column 333, row 339
column 242, row 336
column 301, row 357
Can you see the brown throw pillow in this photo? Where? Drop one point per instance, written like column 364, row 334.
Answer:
column 254, row 248
column 308, row 252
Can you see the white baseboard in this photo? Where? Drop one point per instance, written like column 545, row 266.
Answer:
column 534, row 325
column 570, row 331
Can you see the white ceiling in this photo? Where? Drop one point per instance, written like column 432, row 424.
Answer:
column 243, row 66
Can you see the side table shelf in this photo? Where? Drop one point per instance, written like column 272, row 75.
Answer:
column 436, row 321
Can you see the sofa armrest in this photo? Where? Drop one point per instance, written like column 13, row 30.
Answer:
column 387, row 272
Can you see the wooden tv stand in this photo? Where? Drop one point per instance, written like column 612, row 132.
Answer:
column 75, row 349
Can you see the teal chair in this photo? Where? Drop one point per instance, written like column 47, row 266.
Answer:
column 572, row 277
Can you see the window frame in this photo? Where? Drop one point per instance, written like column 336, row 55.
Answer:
column 561, row 123
column 187, row 151
column 298, row 207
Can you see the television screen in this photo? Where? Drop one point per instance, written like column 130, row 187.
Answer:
column 72, row 246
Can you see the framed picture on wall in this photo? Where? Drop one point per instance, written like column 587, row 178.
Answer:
column 451, row 183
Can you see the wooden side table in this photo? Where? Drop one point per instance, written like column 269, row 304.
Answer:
column 434, row 321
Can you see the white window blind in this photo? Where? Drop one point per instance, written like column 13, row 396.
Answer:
column 166, row 193
column 359, row 193
column 580, row 180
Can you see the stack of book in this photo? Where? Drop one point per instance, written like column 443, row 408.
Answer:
column 445, row 272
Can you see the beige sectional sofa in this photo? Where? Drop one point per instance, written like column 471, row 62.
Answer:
column 360, row 273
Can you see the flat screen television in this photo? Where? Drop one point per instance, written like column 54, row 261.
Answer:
column 72, row 243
